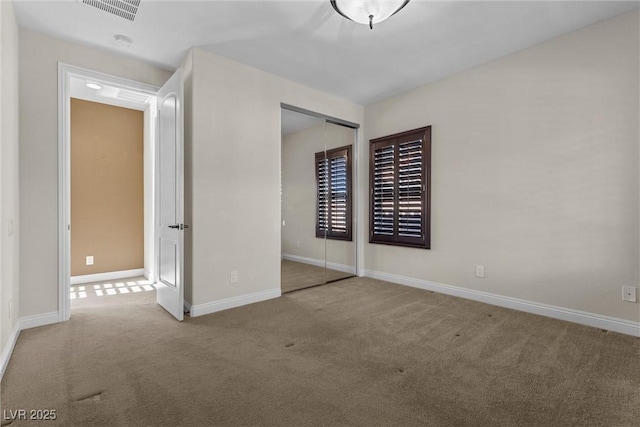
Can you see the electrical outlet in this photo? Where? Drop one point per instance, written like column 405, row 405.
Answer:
column 89, row 260
column 479, row 270
column 234, row 276
column 629, row 294
column 297, row 243
column 10, row 230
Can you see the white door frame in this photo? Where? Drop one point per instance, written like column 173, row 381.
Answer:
column 65, row 72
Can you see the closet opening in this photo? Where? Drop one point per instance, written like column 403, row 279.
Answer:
column 318, row 197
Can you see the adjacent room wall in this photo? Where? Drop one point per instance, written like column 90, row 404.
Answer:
column 107, row 192
column 534, row 173
column 39, row 57
column 9, row 181
column 235, row 175
column 299, row 194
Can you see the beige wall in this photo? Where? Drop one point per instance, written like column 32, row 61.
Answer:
column 39, row 57
column 9, row 174
column 299, row 193
column 534, row 172
column 107, row 192
column 235, row 173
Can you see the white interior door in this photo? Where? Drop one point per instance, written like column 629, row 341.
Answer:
column 170, row 196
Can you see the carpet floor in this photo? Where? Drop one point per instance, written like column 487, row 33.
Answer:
column 297, row 275
column 358, row 352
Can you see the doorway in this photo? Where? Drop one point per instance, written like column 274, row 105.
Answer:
column 318, row 203
column 85, row 89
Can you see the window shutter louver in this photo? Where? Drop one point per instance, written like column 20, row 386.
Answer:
column 383, row 191
column 322, row 219
column 410, row 189
column 333, row 175
column 339, row 195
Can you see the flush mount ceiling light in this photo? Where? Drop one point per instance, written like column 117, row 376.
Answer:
column 122, row 40
column 93, row 85
column 368, row 11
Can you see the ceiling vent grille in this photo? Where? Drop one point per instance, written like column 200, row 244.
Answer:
column 126, row 9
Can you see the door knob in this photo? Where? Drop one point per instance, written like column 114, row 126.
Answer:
column 179, row 226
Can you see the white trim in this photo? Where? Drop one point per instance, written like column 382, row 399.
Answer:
column 8, row 348
column 304, row 260
column 64, row 194
column 22, row 324
column 65, row 72
column 320, row 263
column 38, row 320
column 576, row 316
column 215, row 306
column 187, row 307
column 111, row 275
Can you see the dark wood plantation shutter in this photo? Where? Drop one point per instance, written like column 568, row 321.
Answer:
column 399, row 187
column 333, row 177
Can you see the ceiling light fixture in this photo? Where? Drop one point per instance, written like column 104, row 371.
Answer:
column 368, row 11
column 122, row 40
column 92, row 85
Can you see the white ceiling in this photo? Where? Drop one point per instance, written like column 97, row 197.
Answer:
column 307, row 42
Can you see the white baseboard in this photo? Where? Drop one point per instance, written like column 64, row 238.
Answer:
column 111, row 275
column 215, row 306
column 576, row 316
column 29, row 322
column 187, row 307
column 320, row 263
column 8, row 348
column 22, row 324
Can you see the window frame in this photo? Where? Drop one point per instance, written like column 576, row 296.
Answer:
column 345, row 151
column 396, row 140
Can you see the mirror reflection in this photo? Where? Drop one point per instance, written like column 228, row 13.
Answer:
column 318, row 242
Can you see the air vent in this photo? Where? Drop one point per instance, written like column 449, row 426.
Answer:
column 126, row 9
column 126, row 95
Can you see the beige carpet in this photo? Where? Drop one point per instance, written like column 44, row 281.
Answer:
column 358, row 352
column 297, row 275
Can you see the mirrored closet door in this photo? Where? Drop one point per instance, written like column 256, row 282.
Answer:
column 317, row 200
